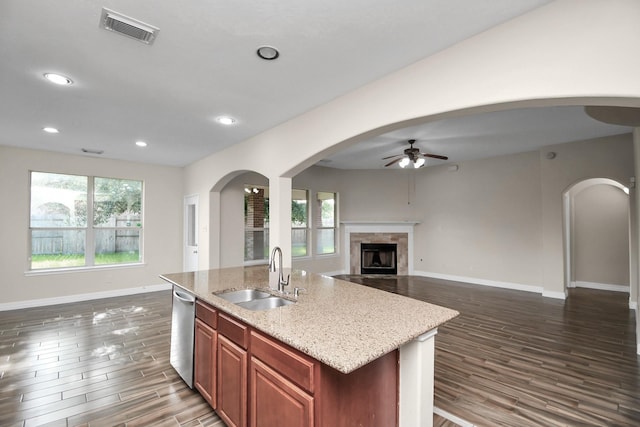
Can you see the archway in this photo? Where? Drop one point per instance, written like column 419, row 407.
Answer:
column 582, row 255
column 226, row 200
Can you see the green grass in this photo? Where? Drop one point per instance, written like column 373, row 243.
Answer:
column 77, row 260
column 299, row 250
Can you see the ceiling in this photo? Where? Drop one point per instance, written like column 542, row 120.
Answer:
column 479, row 136
column 203, row 64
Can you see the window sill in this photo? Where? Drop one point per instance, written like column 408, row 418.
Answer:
column 256, row 262
column 67, row 270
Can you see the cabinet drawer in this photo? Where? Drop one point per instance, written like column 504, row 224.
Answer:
column 234, row 330
column 207, row 314
column 290, row 363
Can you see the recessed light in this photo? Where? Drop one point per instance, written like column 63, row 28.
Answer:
column 268, row 53
column 226, row 120
column 49, row 129
column 141, row 143
column 58, row 79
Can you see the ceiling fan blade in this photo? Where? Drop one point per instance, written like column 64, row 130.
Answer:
column 393, row 161
column 435, row 156
column 391, row 157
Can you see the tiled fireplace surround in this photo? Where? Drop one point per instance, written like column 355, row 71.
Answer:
column 398, row 232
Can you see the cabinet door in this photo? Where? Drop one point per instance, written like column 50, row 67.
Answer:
column 205, row 362
column 275, row 401
column 232, row 383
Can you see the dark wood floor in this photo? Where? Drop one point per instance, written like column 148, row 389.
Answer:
column 511, row 358
column 98, row 363
column 517, row 359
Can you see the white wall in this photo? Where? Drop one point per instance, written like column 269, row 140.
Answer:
column 482, row 221
column 536, row 59
column 598, row 158
column 375, row 195
column 163, row 199
column 601, row 236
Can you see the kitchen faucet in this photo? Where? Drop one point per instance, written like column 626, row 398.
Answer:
column 272, row 267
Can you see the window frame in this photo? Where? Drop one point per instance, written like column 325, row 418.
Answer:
column 319, row 227
column 265, row 228
column 90, row 229
column 302, row 227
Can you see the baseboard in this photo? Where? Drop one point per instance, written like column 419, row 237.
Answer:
column 553, row 294
column 449, row 416
column 493, row 283
column 600, row 286
column 483, row 282
column 82, row 297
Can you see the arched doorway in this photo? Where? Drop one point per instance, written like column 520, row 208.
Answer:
column 597, row 235
column 227, row 198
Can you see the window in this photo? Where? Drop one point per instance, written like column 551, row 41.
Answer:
column 70, row 213
column 256, row 223
column 299, row 223
column 326, row 223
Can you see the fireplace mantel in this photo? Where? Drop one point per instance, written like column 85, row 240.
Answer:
column 410, row 222
column 381, row 227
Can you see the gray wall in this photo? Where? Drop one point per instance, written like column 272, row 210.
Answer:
column 497, row 219
column 162, row 226
column 601, row 233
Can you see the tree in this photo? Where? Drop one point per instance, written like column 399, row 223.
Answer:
column 115, row 197
column 298, row 213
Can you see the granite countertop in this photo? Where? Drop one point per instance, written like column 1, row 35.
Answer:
column 342, row 324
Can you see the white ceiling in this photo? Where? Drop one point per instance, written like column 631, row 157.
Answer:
column 203, row 64
column 478, row 136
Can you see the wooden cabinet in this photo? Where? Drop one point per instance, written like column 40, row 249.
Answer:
column 205, row 362
column 205, row 352
column 232, row 371
column 366, row 397
column 288, row 387
column 252, row 379
column 276, row 401
column 282, row 382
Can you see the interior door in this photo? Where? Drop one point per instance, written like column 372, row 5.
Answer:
column 190, row 257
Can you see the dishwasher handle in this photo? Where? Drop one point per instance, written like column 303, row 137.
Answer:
column 184, row 297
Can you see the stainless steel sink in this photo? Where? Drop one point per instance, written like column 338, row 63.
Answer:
column 265, row 303
column 253, row 299
column 243, row 295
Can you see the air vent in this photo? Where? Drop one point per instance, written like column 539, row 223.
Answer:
column 92, row 151
column 118, row 23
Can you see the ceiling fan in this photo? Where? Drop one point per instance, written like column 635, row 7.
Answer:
column 412, row 155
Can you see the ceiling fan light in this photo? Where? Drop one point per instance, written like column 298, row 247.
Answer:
column 418, row 163
column 404, row 162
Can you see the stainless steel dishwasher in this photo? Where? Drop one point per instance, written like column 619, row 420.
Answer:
column 182, row 333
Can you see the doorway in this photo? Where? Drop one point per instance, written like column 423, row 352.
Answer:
column 190, row 252
column 597, row 235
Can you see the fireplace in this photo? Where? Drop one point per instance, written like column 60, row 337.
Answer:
column 379, row 258
column 356, row 233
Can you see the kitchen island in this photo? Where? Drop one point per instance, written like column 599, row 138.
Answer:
column 344, row 326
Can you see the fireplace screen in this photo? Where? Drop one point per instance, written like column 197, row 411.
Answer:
column 378, row 258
